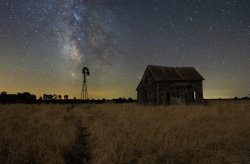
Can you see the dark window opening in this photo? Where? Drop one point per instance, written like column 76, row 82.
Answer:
column 168, row 98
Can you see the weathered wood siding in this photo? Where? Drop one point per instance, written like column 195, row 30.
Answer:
column 146, row 90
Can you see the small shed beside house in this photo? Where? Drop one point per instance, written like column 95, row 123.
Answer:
column 162, row 85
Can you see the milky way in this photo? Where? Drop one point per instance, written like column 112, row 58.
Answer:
column 44, row 44
column 89, row 33
column 87, row 36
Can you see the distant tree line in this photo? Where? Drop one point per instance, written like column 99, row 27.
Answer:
column 25, row 97
column 53, row 97
column 118, row 100
column 236, row 98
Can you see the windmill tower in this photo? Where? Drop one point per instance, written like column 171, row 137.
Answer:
column 84, row 93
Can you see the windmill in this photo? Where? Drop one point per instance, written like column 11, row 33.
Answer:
column 84, row 93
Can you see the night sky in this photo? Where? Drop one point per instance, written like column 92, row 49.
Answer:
column 44, row 44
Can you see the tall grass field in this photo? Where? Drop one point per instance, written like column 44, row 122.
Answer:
column 125, row 133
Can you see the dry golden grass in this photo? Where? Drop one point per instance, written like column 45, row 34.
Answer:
column 125, row 133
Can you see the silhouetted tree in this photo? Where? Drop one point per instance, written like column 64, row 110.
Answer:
column 44, row 97
column 3, row 97
column 236, row 98
column 4, row 93
column 26, row 97
column 54, row 97
column 59, row 96
column 66, row 97
column 245, row 97
column 49, row 97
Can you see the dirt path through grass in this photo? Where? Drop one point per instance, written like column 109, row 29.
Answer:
column 81, row 151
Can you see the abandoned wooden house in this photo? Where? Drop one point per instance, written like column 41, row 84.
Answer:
column 170, row 86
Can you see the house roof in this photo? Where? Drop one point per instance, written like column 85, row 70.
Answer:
column 164, row 74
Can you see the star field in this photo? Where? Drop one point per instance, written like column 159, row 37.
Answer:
column 44, row 44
